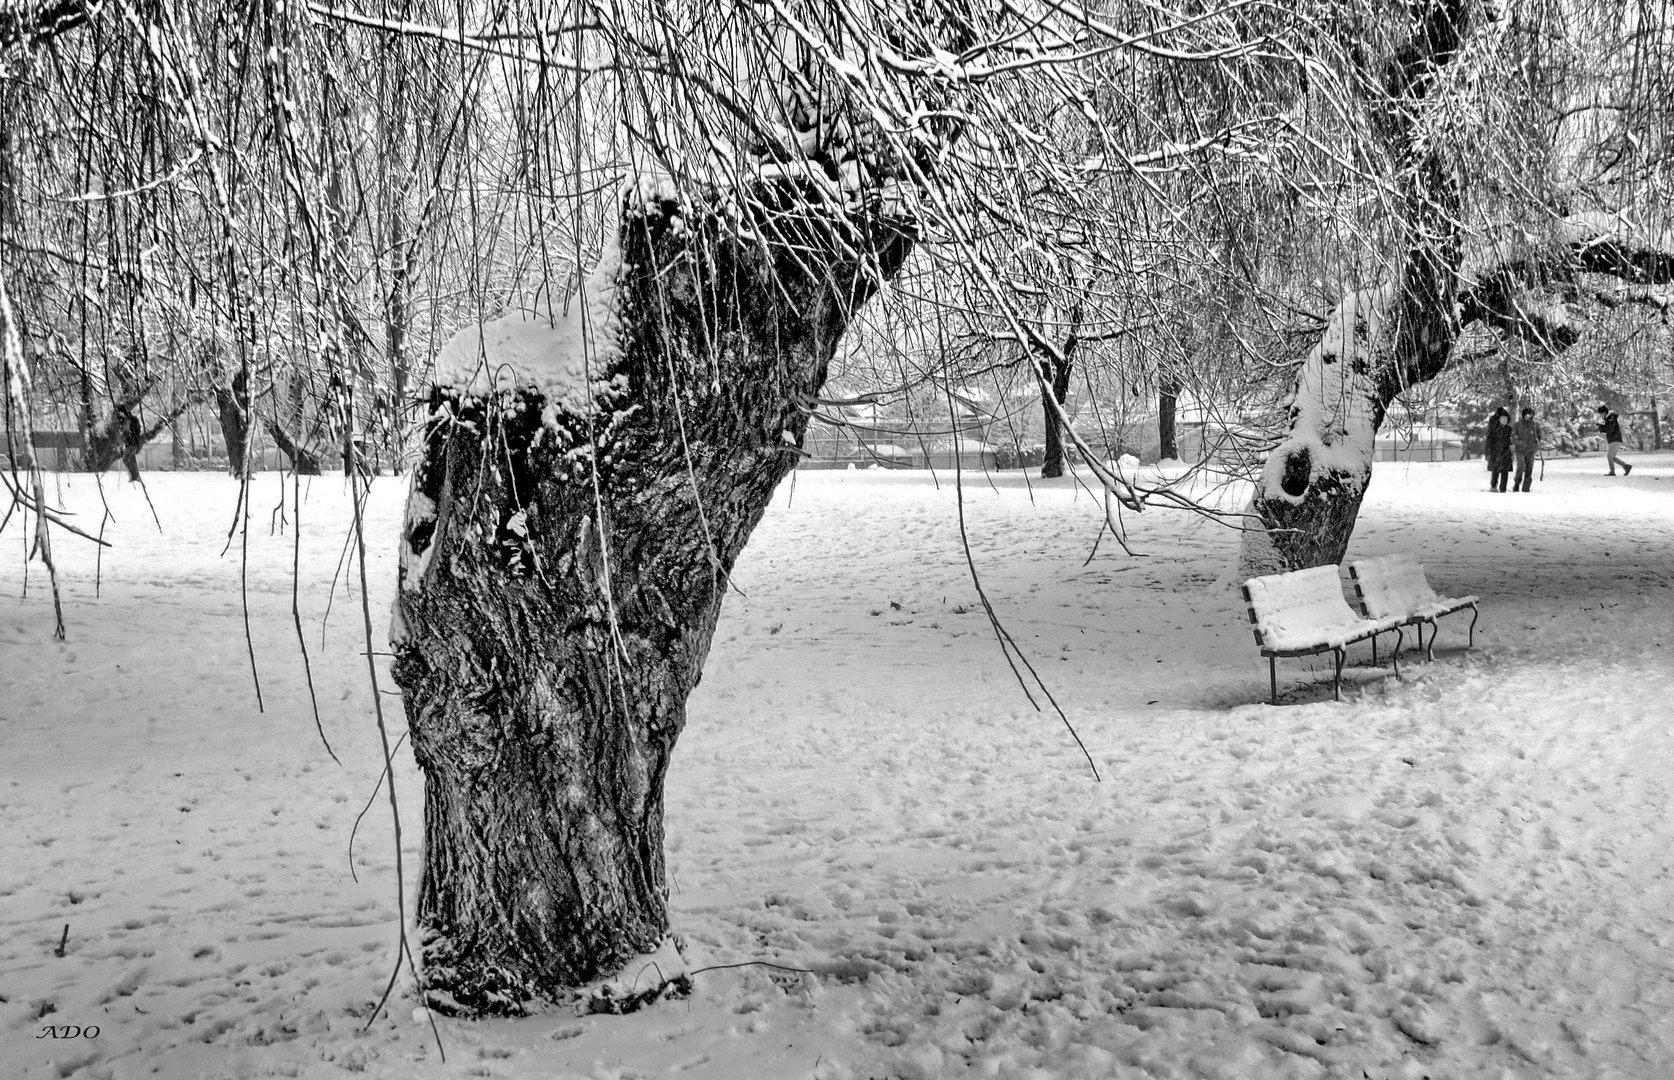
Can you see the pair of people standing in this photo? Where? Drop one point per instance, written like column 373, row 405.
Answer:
column 1512, row 444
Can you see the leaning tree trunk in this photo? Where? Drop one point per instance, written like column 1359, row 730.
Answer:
column 120, row 436
column 304, row 462
column 568, row 540
column 1377, row 342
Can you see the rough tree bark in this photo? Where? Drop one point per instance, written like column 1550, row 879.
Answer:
column 566, row 551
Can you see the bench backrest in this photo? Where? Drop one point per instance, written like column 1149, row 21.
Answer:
column 1295, row 610
column 1391, row 585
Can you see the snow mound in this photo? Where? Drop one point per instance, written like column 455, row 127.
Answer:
column 565, row 356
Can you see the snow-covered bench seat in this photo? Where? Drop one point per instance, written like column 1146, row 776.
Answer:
column 1394, row 586
column 1304, row 612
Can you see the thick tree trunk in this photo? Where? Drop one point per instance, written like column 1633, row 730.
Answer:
column 1381, row 342
column 567, row 546
column 1377, row 343
column 116, row 438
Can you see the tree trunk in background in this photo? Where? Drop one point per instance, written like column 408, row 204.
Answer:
column 1167, row 397
column 232, row 406
column 120, row 435
column 117, row 438
column 1058, row 374
column 563, row 565
column 304, row 462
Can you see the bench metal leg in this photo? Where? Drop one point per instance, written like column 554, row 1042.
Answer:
column 1337, row 686
column 1395, row 657
column 1474, row 614
column 1273, row 677
column 1375, row 649
column 1430, row 649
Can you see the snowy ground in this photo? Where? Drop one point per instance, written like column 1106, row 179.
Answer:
column 1465, row 873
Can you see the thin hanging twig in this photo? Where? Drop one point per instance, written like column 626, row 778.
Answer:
column 296, row 609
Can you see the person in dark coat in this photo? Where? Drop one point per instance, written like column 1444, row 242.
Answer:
column 1611, row 428
column 1525, row 441
column 1499, row 448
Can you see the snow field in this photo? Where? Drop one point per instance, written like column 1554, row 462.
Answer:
column 1463, row 873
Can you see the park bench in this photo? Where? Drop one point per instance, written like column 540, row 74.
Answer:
column 1394, row 586
column 1304, row 612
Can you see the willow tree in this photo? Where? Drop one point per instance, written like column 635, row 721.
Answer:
column 593, row 466
column 654, row 223
column 1505, row 185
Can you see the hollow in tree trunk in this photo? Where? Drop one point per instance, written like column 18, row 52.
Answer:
column 569, row 535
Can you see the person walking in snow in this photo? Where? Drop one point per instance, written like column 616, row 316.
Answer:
column 1499, row 448
column 1525, row 443
column 1611, row 427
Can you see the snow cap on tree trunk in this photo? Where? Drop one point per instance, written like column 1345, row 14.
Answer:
column 566, row 356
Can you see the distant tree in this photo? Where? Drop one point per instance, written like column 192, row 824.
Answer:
column 1507, row 190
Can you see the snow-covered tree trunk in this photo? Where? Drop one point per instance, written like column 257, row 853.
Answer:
column 586, row 484
column 1309, row 492
column 1379, row 340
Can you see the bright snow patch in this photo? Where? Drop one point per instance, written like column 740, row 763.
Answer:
column 567, row 356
